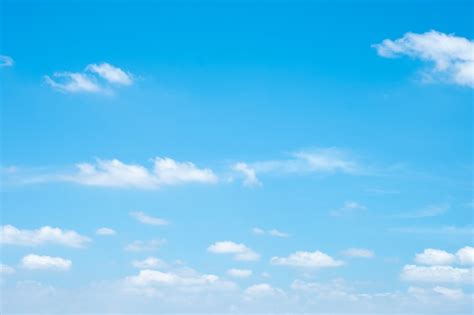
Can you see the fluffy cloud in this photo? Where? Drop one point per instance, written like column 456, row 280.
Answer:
column 110, row 73
column 104, row 231
column 249, row 174
column 466, row 255
column 6, row 61
column 45, row 262
column 114, row 173
column 149, row 263
column 262, row 290
column 272, row 232
column 315, row 259
column 6, row 270
column 437, row 274
column 239, row 273
column 239, row 251
column 150, row 281
column 140, row 246
column 451, row 57
column 359, row 253
column 146, row 219
column 13, row 236
column 96, row 78
column 434, row 257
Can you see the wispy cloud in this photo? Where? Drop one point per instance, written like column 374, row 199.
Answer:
column 272, row 232
column 359, row 253
column 451, row 57
column 104, row 231
column 96, row 78
column 141, row 246
column 425, row 212
column 146, row 219
column 349, row 208
column 6, row 61
column 441, row 230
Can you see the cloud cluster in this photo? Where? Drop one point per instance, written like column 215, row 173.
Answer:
column 239, row 251
column 114, row 173
column 451, row 57
column 437, row 266
column 13, row 236
column 96, row 78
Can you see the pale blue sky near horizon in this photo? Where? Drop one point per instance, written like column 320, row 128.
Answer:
column 342, row 147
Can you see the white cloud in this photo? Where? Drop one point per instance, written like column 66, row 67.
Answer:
column 114, row 173
column 139, row 246
column 6, row 270
column 454, row 294
column 13, row 236
column 249, row 174
column 146, row 219
column 272, row 232
column 105, row 231
column 359, row 253
column 262, row 290
column 239, row 251
column 434, row 257
column 45, row 262
column 466, row 255
column 185, row 280
column 95, row 79
column 325, row 160
column 349, row 208
column 240, row 273
column 73, row 82
column 315, row 259
column 149, row 263
column 451, row 57
column 437, row 274
column 6, row 61
column 110, row 73
column 426, row 212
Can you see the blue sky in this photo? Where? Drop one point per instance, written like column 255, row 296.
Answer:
column 237, row 157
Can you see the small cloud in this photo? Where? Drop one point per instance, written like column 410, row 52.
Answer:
column 140, row 246
column 110, row 73
column 239, row 251
column 349, row 208
column 239, row 273
column 104, row 231
column 6, row 61
column 6, row 270
column 262, row 290
column 96, row 78
column 426, row 212
column 149, row 263
column 359, row 253
column 146, row 219
column 249, row 174
column 36, row 262
column 272, row 232
column 303, row 259
column 465, row 255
